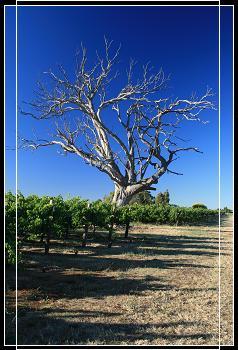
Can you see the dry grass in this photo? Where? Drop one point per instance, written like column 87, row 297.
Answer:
column 160, row 289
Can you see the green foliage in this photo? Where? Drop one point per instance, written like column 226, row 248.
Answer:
column 125, row 214
column 10, row 228
column 108, row 198
column 166, row 197
column 37, row 215
column 61, row 218
column 226, row 210
column 162, row 198
column 100, row 212
column 199, row 205
column 79, row 211
column 166, row 214
column 10, row 250
column 144, row 197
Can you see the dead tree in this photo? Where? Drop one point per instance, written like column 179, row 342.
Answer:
column 124, row 134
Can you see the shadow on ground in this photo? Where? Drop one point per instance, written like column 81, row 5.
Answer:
column 61, row 330
column 60, row 284
column 83, row 275
column 97, row 272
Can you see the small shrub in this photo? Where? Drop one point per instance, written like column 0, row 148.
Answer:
column 199, row 205
column 226, row 210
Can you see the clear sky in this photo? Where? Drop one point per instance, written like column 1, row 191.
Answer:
column 182, row 40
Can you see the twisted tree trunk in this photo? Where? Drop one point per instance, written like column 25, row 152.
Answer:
column 123, row 194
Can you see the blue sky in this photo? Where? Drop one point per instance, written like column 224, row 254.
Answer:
column 182, row 40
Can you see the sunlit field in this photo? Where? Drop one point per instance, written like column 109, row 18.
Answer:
column 158, row 287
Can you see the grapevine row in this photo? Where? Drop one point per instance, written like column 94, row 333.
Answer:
column 44, row 218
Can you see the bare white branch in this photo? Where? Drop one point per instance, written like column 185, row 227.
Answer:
column 146, row 124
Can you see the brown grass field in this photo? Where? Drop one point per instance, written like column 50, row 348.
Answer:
column 160, row 289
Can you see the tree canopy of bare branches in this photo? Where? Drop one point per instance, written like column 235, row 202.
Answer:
column 124, row 131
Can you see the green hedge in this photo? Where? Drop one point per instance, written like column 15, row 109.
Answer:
column 37, row 215
column 10, row 228
column 159, row 214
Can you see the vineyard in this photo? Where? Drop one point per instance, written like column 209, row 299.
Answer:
column 45, row 218
column 91, row 273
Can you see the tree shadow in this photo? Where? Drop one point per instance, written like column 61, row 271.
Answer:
column 45, row 328
column 60, row 275
column 97, row 272
column 10, row 305
column 140, row 243
column 172, row 245
column 98, row 261
column 10, row 318
column 77, row 284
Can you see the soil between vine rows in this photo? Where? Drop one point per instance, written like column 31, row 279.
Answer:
column 160, row 289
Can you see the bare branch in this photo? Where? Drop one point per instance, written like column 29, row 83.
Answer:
column 142, row 134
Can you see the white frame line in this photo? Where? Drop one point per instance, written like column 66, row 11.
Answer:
column 219, row 171
column 16, row 179
column 233, row 165
column 4, row 156
column 114, row 5
column 120, row 0
column 16, row 165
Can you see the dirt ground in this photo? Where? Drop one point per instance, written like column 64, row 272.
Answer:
column 159, row 289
